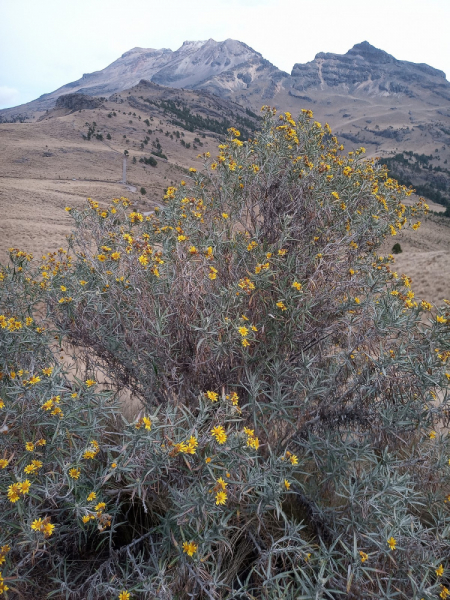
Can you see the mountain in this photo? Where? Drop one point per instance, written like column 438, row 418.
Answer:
column 219, row 67
column 369, row 70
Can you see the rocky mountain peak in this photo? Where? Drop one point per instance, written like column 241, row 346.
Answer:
column 370, row 54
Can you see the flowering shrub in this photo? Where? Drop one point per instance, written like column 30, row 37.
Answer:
column 292, row 438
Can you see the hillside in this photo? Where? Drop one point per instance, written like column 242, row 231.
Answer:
column 67, row 156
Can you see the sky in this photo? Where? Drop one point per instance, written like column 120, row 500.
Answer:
column 46, row 44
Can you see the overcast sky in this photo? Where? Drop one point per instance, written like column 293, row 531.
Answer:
column 45, row 44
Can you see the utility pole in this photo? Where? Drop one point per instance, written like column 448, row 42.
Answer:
column 124, row 169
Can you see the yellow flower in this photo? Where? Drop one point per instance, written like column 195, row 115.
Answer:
column 445, row 593
column 101, row 257
column 432, row 435
column 13, row 492
column 190, row 548
column 3, row 463
column 33, row 380
column 392, row 543
column 287, row 485
column 37, row 525
column 29, row 446
column 294, row 460
column 219, row 433
column 253, row 442
column 143, row 260
column 234, row 398
column 90, row 382
column 100, row 506
column 191, row 445
column 48, row 529
column 115, row 255
column 74, row 473
column 48, row 371
column 440, row 571
column 213, row 273
column 86, row 519
column 192, row 170
column 281, row 305
column 223, row 484
column 208, row 460
column 124, row 595
column 147, row 422
column 363, row 556
column 243, row 331
column 92, row 496
column 82, row 282
column 440, row 319
column 297, row 285
column 335, row 195
column 24, row 487
column 113, row 465
column 357, row 300
column 193, row 250
column 225, row 215
column 221, row 497
column 245, row 342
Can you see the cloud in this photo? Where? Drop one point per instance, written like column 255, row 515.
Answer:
column 8, row 96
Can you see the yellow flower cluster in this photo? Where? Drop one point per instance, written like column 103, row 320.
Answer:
column 11, row 324
column 33, row 467
column 252, row 440
column 219, row 434
column 92, row 450
column 188, row 447
column 3, row 552
column 15, row 489
column 3, row 587
column 43, row 526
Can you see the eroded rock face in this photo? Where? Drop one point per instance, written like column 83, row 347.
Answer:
column 77, row 102
column 365, row 64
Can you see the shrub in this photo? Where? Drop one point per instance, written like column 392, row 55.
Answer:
column 397, row 249
column 143, row 191
column 291, row 440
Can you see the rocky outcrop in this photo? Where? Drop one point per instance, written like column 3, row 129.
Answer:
column 365, row 65
column 75, row 102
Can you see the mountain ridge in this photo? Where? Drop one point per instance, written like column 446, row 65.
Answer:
column 234, row 70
